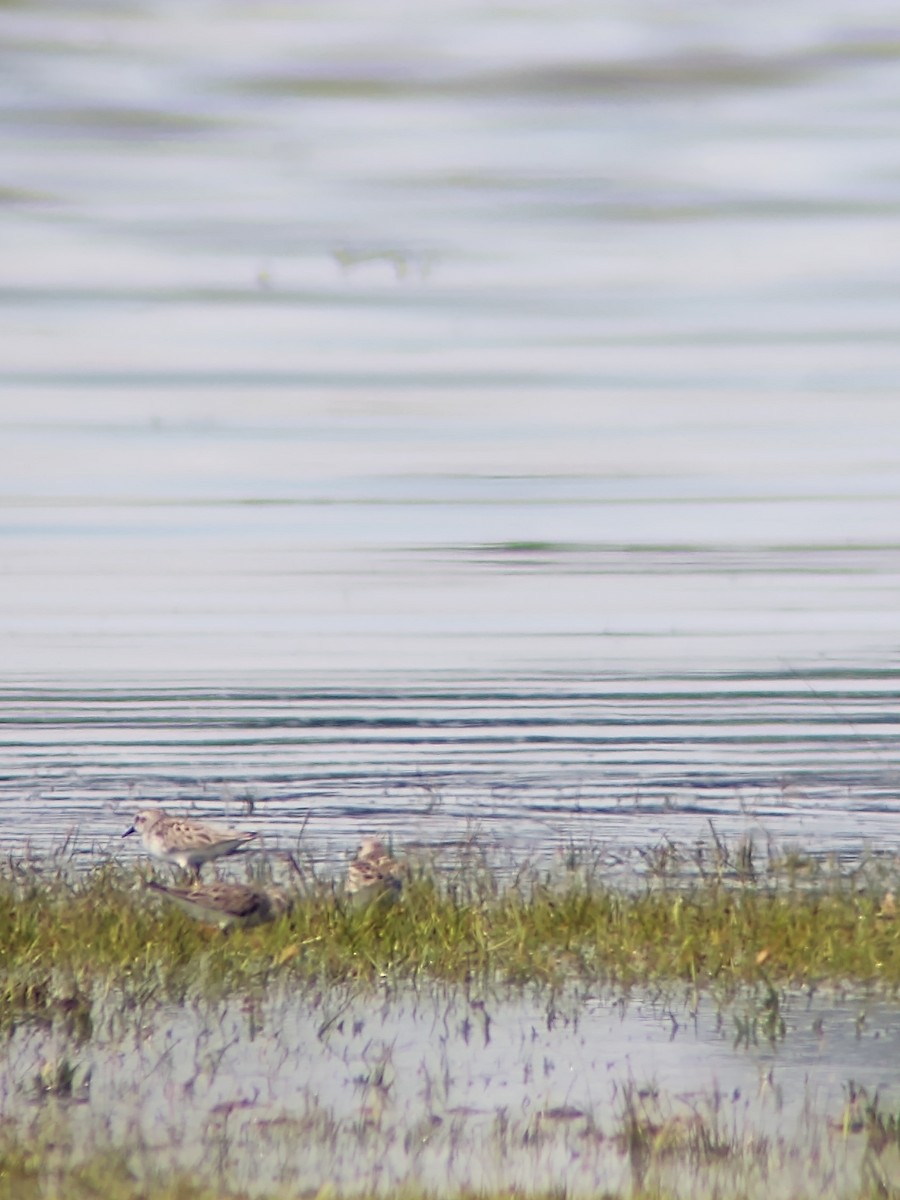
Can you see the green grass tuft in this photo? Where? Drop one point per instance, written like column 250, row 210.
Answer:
column 61, row 935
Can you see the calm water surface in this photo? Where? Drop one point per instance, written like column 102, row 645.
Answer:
column 482, row 415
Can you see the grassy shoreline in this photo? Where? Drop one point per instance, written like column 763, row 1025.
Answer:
column 90, row 960
column 60, row 930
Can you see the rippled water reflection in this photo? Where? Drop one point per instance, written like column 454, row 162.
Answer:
column 475, row 416
column 440, row 1089
column 532, row 768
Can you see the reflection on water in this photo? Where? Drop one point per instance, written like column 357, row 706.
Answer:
column 532, row 767
column 438, row 1088
column 550, row 340
column 484, row 416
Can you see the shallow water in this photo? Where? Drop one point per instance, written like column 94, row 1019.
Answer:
column 445, row 1090
column 530, row 768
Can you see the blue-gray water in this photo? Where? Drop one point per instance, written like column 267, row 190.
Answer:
column 530, row 767
column 491, row 409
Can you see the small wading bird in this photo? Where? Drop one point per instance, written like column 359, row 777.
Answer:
column 372, row 876
column 187, row 843
column 226, row 904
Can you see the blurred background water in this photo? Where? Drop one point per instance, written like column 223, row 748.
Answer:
column 469, row 412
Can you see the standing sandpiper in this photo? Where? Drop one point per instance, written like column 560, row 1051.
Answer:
column 185, row 842
column 373, row 875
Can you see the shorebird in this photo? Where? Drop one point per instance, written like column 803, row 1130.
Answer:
column 226, row 904
column 373, row 875
column 185, row 842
